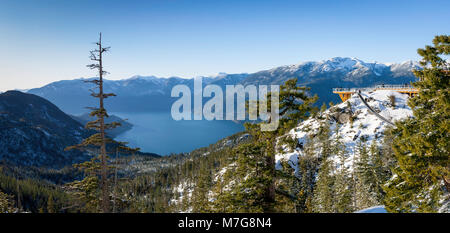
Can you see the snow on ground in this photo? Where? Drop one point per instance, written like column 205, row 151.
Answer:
column 221, row 173
column 373, row 209
column 184, row 190
column 365, row 124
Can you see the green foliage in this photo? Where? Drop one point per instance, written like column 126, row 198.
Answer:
column 366, row 187
column 421, row 144
column 199, row 200
column 51, row 208
column 6, row 203
column 85, row 194
column 251, row 177
column 324, row 192
column 308, row 166
column 32, row 194
column 294, row 106
column 343, row 186
column 323, row 108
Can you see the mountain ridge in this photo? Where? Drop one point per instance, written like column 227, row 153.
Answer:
column 35, row 132
column 150, row 93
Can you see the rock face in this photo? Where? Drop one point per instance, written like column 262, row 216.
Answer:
column 341, row 115
column 34, row 132
column 344, row 118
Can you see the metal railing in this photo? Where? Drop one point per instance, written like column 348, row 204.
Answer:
column 377, row 87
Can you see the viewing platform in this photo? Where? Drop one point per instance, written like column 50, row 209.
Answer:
column 346, row 93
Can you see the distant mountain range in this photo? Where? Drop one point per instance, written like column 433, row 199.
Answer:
column 150, row 93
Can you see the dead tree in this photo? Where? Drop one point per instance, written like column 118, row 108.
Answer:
column 99, row 124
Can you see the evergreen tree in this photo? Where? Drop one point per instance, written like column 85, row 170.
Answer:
column 253, row 178
column 365, row 179
column 308, row 166
column 294, row 106
column 98, row 166
column 387, row 151
column 219, row 205
column 323, row 200
column 343, row 185
column 200, row 198
column 86, row 192
column 6, row 203
column 323, row 108
column 381, row 172
column 324, row 142
column 51, row 208
column 421, row 144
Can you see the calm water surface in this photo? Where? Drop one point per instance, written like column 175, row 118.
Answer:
column 157, row 132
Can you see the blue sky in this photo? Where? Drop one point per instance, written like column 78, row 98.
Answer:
column 48, row 40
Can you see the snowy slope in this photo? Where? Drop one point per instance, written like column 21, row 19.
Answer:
column 365, row 124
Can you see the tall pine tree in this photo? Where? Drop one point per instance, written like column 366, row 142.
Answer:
column 343, row 184
column 258, row 156
column 365, row 193
column 421, row 144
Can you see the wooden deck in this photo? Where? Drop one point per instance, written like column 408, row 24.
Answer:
column 346, row 93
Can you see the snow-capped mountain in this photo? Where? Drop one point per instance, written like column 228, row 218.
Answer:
column 343, row 69
column 150, row 93
column 322, row 76
column 364, row 124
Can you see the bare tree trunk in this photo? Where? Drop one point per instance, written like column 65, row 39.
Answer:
column 270, row 188
column 115, row 181
column 19, row 201
column 104, row 178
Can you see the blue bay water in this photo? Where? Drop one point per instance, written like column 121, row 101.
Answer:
column 157, row 132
